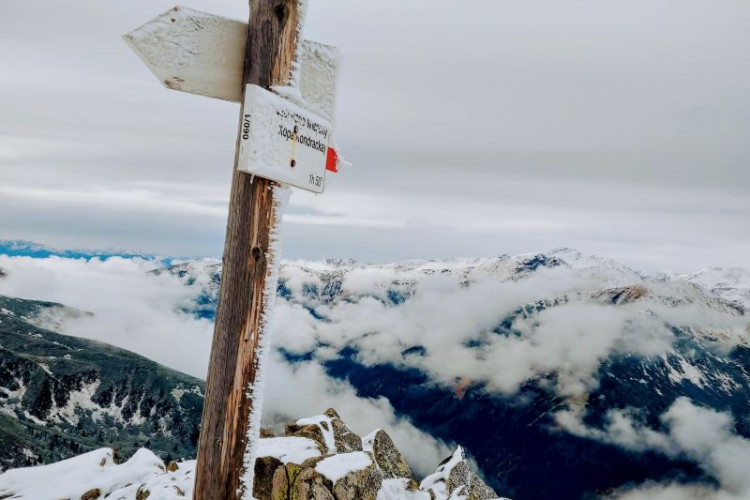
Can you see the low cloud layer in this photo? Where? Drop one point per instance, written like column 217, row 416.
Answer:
column 449, row 320
column 143, row 312
column 704, row 436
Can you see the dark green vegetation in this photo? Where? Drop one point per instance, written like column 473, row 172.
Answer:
column 61, row 396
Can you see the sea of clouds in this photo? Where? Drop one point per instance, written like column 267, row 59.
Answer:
column 149, row 313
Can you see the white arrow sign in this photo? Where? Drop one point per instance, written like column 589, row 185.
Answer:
column 203, row 54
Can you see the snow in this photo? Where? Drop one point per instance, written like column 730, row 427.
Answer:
column 397, row 489
column 74, row 477
column 265, row 151
column 368, row 440
column 684, row 371
column 288, row 449
column 181, row 390
column 77, row 400
column 281, row 196
column 326, row 428
column 732, row 284
column 144, row 472
column 337, row 466
column 436, row 482
column 181, row 45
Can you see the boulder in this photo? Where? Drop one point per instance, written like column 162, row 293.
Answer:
column 473, row 486
column 311, row 485
column 387, row 456
column 355, row 475
column 310, row 431
column 265, row 468
column 92, row 494
column 346, row 440
column 283, row 480
column 266, row 433
column 454, row 478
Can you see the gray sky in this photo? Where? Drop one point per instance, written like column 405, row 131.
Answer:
column 620, row 128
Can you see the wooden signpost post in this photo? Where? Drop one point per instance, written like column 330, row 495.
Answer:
column 283, row 138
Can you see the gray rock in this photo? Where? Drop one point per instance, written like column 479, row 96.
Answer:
column 310, row 485
column 388, row 458
column 311, row 431
column 266, row 433
column 265, row 467
column 361, row 484
column 461, row 476
column 346, row 439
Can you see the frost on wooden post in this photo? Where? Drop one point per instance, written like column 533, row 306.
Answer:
column 281, row 195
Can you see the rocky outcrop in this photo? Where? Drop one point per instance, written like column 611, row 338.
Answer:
column 344, row 438
column 321, row 458
column 455, row 479
column 386, row 455
column 329, row 431
column 286, row 468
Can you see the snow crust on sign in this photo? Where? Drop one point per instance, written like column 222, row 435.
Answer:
column 337, row 466
column 294, row 78
column 281, row 195
column 326, row 430
column 95, row 469
column 181, row 45
column 288, row 449
column 318, row 67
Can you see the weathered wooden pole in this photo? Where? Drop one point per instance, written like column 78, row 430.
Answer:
column 269, row 56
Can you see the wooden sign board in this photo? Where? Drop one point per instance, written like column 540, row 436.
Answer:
column 282, row 141
column 201, row 53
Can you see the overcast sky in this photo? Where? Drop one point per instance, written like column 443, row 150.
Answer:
column 475, row 128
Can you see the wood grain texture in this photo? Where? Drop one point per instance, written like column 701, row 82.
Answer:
column 271, row 46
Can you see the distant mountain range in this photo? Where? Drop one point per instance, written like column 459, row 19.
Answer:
column 23, row 248
column 61, row 395
column 555, row 371
column 670, row 336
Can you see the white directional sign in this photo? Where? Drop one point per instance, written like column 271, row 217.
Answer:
column 203, row 54
column 282, row 141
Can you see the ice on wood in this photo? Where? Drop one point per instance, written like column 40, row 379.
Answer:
column 281, row 195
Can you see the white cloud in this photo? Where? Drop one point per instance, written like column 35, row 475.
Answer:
column 569, row 340
column 132, row 309
column 704, row 436
column 305, row 389
column 141, row 312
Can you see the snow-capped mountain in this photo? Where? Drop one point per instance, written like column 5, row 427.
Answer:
column 732, row 284
column 529, row 361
